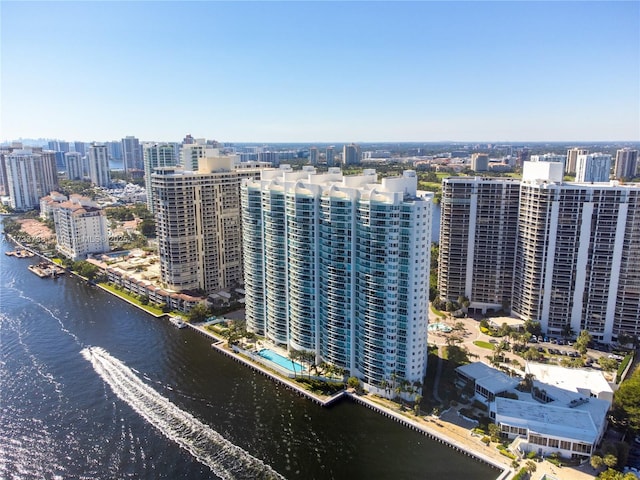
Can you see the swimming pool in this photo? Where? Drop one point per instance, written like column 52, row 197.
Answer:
column 281, row 361
column 439, row 327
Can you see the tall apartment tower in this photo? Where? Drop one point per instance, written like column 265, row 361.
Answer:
column 198, row 223
column 156, row 155
column 30, row 175
column 73, row 166
column 572, row 159
column 479, row 218
column 351, row 154
column 132, row 156
column 594, row 167
column 330, row 154
column 550, row 157
column 191, row 153
column 81, row 228
column 479, row 162
column 339, row 266
column 626, row 163
column 99, row 165
column 577, row 257
column 313, row 155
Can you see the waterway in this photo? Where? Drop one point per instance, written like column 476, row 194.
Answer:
column 91, row 387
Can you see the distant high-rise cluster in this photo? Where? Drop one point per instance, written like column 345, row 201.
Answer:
column 562, row 254
column 339, row 266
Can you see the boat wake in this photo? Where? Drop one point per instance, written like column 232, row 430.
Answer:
column 226, row 460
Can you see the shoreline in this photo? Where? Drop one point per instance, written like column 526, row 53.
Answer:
column 364, row 400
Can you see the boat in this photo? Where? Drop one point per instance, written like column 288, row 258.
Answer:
column 177, row 322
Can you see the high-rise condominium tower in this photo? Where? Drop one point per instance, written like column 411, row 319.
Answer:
column 480, row 162
column 339, row 266
column 626, row 163
column 575, row 250
column 30, row 175
column 594, row 167
column 330, row 154
column 351, row 154
column 477, row 241
column 198, row 223
column 156, row 155
column 73, row 166
column 132, row 154
column 99, row 165
column 572, row 159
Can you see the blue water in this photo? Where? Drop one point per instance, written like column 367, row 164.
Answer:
column 278, row 359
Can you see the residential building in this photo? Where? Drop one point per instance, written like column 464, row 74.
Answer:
column 48, row 203
column 198, row 223
column 626, row 164
column 81, row 228
column 351, row 154
column 479, row 219
column 330, row 154
column 562, row 254
column 572, row 159
column 313, row 156
column 550, row 157
column 480, row 162
column 132, row 156
column 339, row 266
column 31, row 174
column 99, row 165
column 577, row 256
column 191, row 153
column 4, row 184
column 594, row 167
column 73, row 166
column 156, row 155
column 80, row 147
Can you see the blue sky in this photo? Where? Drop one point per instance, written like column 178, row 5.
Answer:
column 321, row 71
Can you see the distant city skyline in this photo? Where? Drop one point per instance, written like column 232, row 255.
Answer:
column 318, row 72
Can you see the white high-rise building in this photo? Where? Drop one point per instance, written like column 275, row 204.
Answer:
column 191, row 153
column 99, row 165
column 198, row 223
column 339, row 266
column 593, row 167
column 574, row 254
column 31, row 175
column 156, row 155
column 572, row 159
column 81, row 228
column 550, row 157
column 626, row 163
column 74, row 168
column 577, row 257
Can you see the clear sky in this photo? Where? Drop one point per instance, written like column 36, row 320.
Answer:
column 321, row 71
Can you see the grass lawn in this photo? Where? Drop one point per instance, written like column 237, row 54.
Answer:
column 437, row 312
column 481, row 344
column 149, row 308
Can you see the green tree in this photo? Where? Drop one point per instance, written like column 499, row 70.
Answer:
column 354, row 383
column 626, row 402
column 147, row 227
column 610, row 460
column 494, row 432
column 596, row 461
column 199, row 313
column 582, row 342
column 85, row 269
column 530, row 466
column 608, row 364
